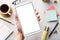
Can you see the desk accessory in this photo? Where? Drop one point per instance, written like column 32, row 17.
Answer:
column 55, row 32
column 51, row 15
column 6, row 21
column 45, row 32
column 9, row 35
column 52, row 8
column 53, row 29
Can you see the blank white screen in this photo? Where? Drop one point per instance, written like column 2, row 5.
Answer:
column 28, row 18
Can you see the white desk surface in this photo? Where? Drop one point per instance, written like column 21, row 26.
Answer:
column 40, row 7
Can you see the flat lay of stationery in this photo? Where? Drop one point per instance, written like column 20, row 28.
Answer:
column 28, row 20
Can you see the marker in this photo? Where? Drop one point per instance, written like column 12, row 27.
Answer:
column 53, row 29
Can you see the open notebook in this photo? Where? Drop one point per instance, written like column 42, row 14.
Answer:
column 5, row 32
column 27, row 19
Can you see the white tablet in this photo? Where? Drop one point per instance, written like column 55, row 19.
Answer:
column 28, row 18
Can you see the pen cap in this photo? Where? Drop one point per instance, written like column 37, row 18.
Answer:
column 46, row 28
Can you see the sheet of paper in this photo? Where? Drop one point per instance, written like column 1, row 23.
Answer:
column 4, row 32
column 27, row 18
column 51, row 15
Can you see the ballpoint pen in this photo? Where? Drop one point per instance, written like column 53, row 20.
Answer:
column 53, row 29
column 6, row 21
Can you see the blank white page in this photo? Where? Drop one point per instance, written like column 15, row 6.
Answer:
column 27, row 18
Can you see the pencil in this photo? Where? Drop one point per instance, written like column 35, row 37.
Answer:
column 53, row 29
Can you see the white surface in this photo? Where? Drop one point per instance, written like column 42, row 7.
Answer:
column 4, row 32
column 28, row 18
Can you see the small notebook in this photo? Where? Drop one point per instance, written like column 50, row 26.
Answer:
column 28, row 19
column 4, row 32
column 51, row 15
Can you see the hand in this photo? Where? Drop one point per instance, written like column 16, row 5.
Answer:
column 19, row 33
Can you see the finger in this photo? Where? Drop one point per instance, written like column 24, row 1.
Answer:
column 38, row 16
column 37, row 13
column 38, row 19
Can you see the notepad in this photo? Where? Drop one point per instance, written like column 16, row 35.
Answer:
column 28, row 19
column 51, row 8
column 4, row 32
column 51, row 15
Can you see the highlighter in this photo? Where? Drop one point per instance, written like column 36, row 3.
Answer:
column 45, row 32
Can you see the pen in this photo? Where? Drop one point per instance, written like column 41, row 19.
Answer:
column 6, row 21
column 53, row 29
column 45, row 32
column 9, row 35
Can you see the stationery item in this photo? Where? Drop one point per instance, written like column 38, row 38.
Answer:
column 53, row 29
column 6, row 21
column 58, row 29
column 55, row 32
column 4, row 32
column 16, row 2
column 52, row 8
column 45, row 32
column 51, row 15
column 55, row 1
column 6, row 11
column 9, row 35
column 28, row 19
column 46, row 1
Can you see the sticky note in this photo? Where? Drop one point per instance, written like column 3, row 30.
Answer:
column 51, row 15
column 52, row 8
